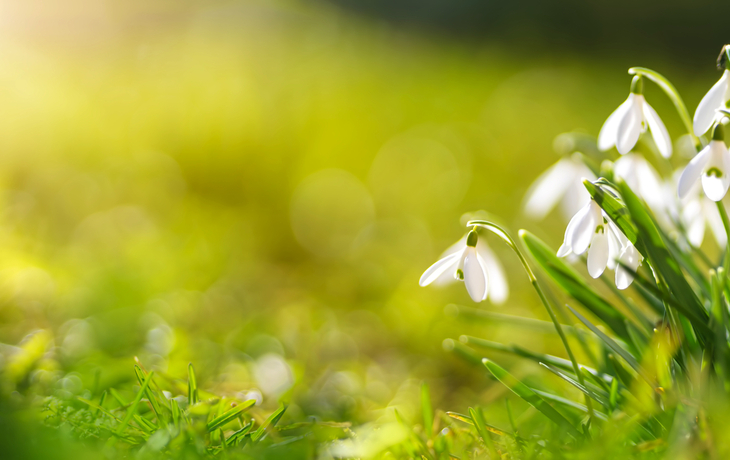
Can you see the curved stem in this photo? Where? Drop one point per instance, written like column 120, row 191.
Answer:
column 499, row 231
column 673, row 94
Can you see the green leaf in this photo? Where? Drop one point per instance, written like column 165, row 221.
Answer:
column 151, row 397
column 192, row 386
column 655, row 250
column 426, row 410
column 572, row 283
column 584, row 389
column 567, row 402
column 229, row 415
column 133, row 408
column 524, row 392
column 630, row 360
column 480, row 424
column 271, row 421
column 467, row 419
column 238, row 435
column 613, row 206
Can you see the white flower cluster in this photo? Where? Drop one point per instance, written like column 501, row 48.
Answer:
column 688, row 211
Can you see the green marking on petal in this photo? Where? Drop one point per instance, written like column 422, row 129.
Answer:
column 460, row 274
column 714, row 172
column 600, row 229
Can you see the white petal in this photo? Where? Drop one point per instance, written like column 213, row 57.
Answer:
column 566, row 248
column 692, row 172
column 629, row 128
column 498, row 287
column 447, row 277
column 713, row 100
column 716, row 183
column 658, row 131
column 607, row 135
column 547, row 190
column 435, row 270
column 585, row 228
column 694, row 221
column 614, row 246
column 598, row 254
column 713, row 218
column 577, row 196
column 632, row 259
column 475, row 276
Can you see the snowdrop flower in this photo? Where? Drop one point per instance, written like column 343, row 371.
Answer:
column 470, row 260
column 695, row 212
column 590, row 230
column 560, row 183
column 716, row 98
column 624, row 126
column 643, row 180
column 712, row 164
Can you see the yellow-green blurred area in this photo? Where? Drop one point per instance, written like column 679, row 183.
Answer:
column 256, row 187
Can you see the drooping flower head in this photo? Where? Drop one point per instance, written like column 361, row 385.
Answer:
column 470, row 260
column 561, row 183
column 712, row 164
column 590, row 230
column 625, row 125
column 716, row 98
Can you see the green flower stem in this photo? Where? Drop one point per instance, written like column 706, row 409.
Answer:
column 670, row 91
column 497, row 230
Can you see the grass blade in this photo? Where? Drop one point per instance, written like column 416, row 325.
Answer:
column 426, row 410
column 133, row 408
column 271, row 421
column 532, row 398
column 192, row 386
column 479, row 423
column 229, row 415
column 630, row 360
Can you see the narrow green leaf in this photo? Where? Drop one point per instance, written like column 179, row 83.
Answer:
column 630, row 360
column 527, row 354
column 151, row 397
column 192, row 386
column 571, row 282
column 133, row 408
column 567, row 402
column 480, row 424
column 426, row 410
column 613, row 395
column 238, row 435
column 145, row 424
column 667, row 266
column 613, row 206
column 118, row 397
column 524, row 392
column 229, row 415
column 467, row 419
column 584, row 389
column 271, row 421
column 175, row 412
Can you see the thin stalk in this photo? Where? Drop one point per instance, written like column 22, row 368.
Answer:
column 673, row 94
column 497, row 230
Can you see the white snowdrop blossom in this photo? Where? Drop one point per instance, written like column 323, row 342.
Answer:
column 712, row 164
column 716, row 98
column 590, row 230
column 642, row 178
column 624, row 126
column 695, row 212
column 560, row 183
column 470, row 260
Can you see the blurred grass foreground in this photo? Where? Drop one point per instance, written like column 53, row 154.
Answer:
column 254, row 188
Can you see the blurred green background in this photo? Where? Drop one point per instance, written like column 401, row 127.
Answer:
column 256, row 187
